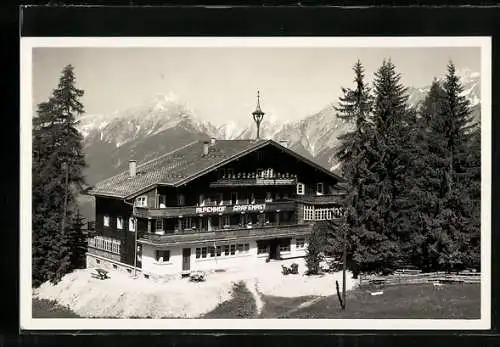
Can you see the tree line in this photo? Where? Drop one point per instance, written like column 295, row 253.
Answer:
column 58, row 235
column 412, row 177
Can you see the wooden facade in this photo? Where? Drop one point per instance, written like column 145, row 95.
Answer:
column 260, row 196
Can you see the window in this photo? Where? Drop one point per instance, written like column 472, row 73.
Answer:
column 198, row 253
column 141, row 201
column 299, row 243
column 239, row 247
column 300, row 189
column 260, row 173
column 162, row 256
column 187, row 223
column 225, row 220
column 162, row 201
column 211, row 251
column 226, row 250
column 269, row 197
column 106, row 221
column 233, row 249
column 181, row 199
column 308, row 212
column 204, row 252
column 218, row 250
column 131, row 224
column 119, row 222
column 285, row 247
column 261, row 248
column 247, row 247
column 159, row 224
column 320, row 188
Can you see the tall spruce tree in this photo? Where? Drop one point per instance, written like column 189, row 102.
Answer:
column 427, row 241
column 58, row 161
column 355, row 107
column 447, row 191
column 388, row 212
column 459, row 213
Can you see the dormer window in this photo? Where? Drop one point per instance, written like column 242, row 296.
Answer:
column 320, row 188
column 300, row 189
column 141, row 201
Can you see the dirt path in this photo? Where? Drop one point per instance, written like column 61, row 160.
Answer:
column 304, row 304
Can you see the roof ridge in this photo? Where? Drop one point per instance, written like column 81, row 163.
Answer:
column 148, row 162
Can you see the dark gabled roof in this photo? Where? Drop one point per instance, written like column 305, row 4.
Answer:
column 184, row 165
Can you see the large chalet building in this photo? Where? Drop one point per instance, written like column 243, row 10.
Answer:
column 210, row 205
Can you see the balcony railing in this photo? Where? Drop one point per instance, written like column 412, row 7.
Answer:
column 253, row 181
column 324, row 199
column 259, row 233
column 213, row 209
column 103, row 253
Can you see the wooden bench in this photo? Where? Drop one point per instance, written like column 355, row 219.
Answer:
column 197, row 276
column 100, row 274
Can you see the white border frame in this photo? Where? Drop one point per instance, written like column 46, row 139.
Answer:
column 29, row 323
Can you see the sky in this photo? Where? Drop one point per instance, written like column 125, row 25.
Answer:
column 220, row 84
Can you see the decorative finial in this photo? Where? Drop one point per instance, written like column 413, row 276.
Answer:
column 258, row 115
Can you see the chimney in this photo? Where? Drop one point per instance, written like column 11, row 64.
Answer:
column 284, row 143
column 212, row 141
column 132, row 164
column 205, row 148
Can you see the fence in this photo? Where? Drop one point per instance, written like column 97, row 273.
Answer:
column 417, row 277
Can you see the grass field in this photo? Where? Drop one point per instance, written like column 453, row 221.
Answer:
column 457, row 301
column 50, row 309
column 454, row 301
column 414, row 301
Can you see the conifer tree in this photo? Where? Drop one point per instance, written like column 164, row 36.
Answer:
column 57, row 174
column 447, row 191
column 388, row 211
column 426, row 242
column 354, row 154
column 458, row 216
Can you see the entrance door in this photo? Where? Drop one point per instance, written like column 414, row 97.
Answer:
column 186, row 259
column 274, row 249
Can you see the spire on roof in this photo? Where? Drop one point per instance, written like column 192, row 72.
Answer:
column 258, row 115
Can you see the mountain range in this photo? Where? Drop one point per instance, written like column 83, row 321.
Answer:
column 166, row 122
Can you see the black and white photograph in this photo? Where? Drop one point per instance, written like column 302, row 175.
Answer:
column 267, row 183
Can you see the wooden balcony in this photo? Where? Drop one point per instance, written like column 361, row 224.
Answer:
column 250, row 182
column 258, row 233
column 212, row 209
column 326, row 199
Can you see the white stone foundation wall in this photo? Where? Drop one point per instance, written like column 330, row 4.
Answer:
column 95, row 261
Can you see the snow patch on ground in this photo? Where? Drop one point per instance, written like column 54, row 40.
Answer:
column 123, row 296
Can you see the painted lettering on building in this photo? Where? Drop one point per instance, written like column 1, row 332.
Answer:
column 211, row 209
column 235, row 208
column 243, row 208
